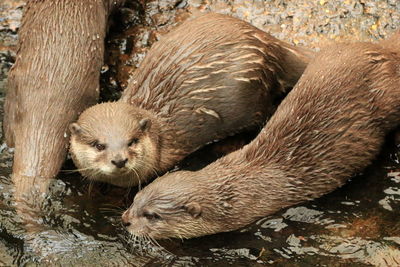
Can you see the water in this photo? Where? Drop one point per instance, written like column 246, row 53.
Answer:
column 78, row 223
column 357, row 224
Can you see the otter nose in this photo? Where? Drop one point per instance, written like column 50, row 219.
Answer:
column 125, row 219
column 119, row 163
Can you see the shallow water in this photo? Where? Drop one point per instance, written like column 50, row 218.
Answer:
column 357, row 225
column 78, row 224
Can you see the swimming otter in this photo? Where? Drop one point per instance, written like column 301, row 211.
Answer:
column 211, row 77
column 329, row 127
column 55, row 76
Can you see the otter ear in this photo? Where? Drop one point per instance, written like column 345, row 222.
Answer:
column 74, row 128
column 193, row 209
column 145, row 124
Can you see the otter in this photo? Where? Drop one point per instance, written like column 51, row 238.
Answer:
column 211, row 77
column 328, row 128
column 55, row 77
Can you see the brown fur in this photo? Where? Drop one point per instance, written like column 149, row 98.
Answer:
column 211, row 77
column 329, row 127
column 91, row 129
column 55, row 77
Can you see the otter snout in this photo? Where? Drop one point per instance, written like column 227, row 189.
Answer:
column 119, row 163
column 125, row 219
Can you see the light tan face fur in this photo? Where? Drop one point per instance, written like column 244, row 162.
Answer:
column 162, row 223
column 164, row 209
column 113, row 143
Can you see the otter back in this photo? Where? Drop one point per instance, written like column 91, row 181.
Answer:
column 214, row 76
column 329, row 127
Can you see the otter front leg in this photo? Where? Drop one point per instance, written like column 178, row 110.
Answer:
column 54, row 78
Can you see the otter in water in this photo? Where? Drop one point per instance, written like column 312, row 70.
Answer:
column 211, row 77
column 329, row 127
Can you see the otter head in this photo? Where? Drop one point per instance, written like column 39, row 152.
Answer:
column 173, row 206
column 114, row 143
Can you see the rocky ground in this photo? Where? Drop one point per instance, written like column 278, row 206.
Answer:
column 140, row 23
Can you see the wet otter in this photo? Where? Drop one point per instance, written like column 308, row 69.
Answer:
column 55, row 76
column 209, row 78
column 329, row 127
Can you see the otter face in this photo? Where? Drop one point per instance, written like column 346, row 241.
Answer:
column 162, row 211
column 113, row 143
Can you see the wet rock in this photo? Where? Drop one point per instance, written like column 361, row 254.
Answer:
column 275, row 224
column 11, row 14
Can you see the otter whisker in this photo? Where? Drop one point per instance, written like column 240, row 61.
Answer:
column 137, row 243
column 111, row 210
column 70, row 171
column 94, row 172
column 137, row 176
column 91, row 171
column 114, row 220
column 139, row 184
column 114, row 214
column 134, row 247
column 124, row 237
column 142, row 243
column 91, row 184
column 181, row 237
column 78, row 170
column 114, row 206
column 155, row 243
column 131, row 241
column 148, row 166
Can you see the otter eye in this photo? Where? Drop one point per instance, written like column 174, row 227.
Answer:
column 151, row 216
column 133, row 141
column 99, row 147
